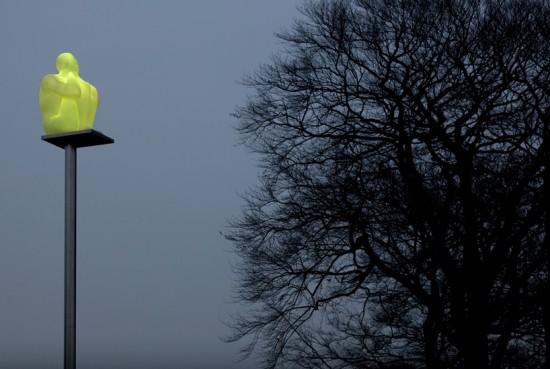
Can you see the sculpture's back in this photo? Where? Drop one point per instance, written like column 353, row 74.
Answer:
column 67, row 102
column 87, row 105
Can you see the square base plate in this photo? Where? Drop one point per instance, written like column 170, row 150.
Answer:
column 84, row 138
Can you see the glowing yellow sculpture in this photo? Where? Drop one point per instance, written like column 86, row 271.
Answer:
column 67, row 102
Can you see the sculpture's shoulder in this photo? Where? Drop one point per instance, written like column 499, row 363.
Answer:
column 50, row 82
column 86, row 83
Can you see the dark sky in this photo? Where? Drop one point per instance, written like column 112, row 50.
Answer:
column 154, row 273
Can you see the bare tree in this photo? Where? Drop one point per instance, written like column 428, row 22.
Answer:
column 402, row 217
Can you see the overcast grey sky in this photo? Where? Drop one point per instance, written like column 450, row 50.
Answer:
column 154, row 276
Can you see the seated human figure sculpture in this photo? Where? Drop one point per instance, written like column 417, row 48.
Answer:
column 67, row 102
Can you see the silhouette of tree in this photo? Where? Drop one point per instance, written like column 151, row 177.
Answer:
column 402, row 216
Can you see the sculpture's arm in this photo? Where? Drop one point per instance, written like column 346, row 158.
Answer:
column 69, row 89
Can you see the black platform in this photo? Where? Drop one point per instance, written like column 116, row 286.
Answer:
column 84, row 138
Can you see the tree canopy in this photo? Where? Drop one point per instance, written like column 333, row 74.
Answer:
column 402, row 216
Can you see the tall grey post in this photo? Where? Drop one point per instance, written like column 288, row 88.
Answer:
column 70, row 142
column 70, row 257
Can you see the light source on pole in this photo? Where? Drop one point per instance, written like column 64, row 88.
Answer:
column 68, row 105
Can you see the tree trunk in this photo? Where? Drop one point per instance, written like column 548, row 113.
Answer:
column 546, row 198
column 430, row 331
column 476, row 344
column 474, row 339
column 547, row 326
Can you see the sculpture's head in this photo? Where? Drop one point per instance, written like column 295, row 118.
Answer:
column 66, row 62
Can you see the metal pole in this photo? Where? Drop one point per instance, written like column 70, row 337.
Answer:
column 70, row 142
column 70, row 257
